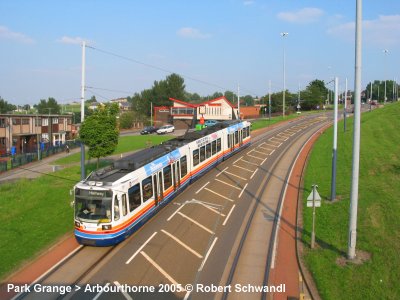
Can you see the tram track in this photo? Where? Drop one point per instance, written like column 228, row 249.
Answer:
column 238, row 252
column 69, row 263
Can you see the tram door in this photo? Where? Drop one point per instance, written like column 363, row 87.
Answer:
column 231, row 141
column 240, row 137
column 158, row 190
column 176, row 174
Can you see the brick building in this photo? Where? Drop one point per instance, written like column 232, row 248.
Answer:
column 23, row 132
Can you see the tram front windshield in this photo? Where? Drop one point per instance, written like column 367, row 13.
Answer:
column 93, row 206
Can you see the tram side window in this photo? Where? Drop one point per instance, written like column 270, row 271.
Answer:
column 219, row 145
column 195, row 157
column 167, row 177
column 135, row 198
column 229, row 141
column 183, row 166
column 236, row 137
column 116, row 209
column 208, row 150
column 124, row 205
column 213, row 148
column 147, row 187
column 202, row 153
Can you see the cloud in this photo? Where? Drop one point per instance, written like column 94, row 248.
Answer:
column 6, row 33
column 73, row 40
column 248, row 2
column 192, row 33
column 304, row 15
column 383, row 31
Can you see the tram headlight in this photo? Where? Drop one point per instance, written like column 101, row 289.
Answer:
column 77, row 224
column 106, row 227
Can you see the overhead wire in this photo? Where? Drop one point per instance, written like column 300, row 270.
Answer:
column 163, row 69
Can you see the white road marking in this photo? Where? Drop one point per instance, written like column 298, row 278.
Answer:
column 210, row 206
column 274, row 143
column 195, row 222
column 251, row 163
column 235, row 175
column 166, row 275
column 221, row 172
column 229, row 214
column 238, row 159
column 208, row 253
column 242, row 190
column 231, row 185
column 126, row 295
column 101, row 292
column 198, row 191
column 254, row 173
column 222, row 196
column 141, row 248
column 180, row 207
column 182, row 244
column 264, row 160
column 259, row 151
column 243, row 168
column 255, row 157
column 266, row 148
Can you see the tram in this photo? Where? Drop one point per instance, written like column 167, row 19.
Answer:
column 113, row 202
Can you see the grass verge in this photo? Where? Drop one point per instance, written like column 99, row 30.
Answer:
column 34, row 214
column 378, row 231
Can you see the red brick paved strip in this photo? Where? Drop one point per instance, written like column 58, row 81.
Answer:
column 39, row 266
column 286, row 269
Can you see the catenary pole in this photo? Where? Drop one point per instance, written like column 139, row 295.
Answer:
column 352, row 238
column 335, row 132
column 83, row 109
column 345, row 107
column 269, row 100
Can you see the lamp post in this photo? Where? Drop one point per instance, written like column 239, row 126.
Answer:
column 386, row 52
column 283, row 35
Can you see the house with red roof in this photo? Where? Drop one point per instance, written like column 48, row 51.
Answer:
column 186, row 115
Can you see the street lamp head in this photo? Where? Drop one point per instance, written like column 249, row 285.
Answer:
column 283, row 34
column 386, row 51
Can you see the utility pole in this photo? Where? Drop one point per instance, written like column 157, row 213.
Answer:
column 284, row 34
column 83, row 175
column 345, row 107
column 352, row 237
column 269, row 101
column 334, row 151
column 386, row 51
column 239, row 101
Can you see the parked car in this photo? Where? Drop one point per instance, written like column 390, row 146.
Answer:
column 209, row 123
column 148, row 130
column 166, row 129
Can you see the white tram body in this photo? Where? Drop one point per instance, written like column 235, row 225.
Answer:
column 113, row 202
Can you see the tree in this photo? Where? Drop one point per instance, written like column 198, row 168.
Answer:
column 315, row 94
column 48, row 107
column 100, row 132
column 91, row 100
column 126, row 120
column 6, row 107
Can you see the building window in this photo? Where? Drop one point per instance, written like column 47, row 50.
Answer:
column 2, row 141
column 25, row 121
column 45, row 122
column 55, row 121
column 16, row 121
column 3, row 123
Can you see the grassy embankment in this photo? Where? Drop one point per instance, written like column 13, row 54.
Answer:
column 378, row 211
column 35, row 213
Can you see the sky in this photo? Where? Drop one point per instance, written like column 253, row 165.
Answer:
column 215, row 45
